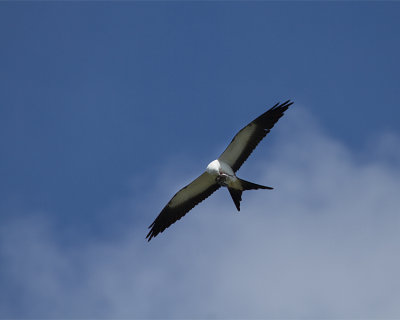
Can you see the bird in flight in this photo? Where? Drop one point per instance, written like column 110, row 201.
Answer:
column 221, row 172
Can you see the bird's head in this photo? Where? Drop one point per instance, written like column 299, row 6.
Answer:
column 214, row 168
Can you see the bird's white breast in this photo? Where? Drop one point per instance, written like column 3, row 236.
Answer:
column 217, row 167
column 213, row 167
column 226, row 168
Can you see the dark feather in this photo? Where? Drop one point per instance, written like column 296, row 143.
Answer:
column 170, row 215
column 236, row 197
column 246, row 185
column 257, row 129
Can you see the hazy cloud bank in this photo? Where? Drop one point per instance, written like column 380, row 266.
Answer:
column 324, row 243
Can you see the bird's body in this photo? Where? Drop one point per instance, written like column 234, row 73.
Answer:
column 221, row 172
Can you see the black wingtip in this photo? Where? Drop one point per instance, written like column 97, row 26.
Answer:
column 151, row 233
column 285, row 105
column 271, row 116
column 149, row 236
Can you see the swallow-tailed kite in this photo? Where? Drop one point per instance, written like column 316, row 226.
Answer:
column 221, row 172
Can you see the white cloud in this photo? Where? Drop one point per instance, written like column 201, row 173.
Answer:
column 324, row 243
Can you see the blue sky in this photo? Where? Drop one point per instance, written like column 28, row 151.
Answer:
column 106, row 109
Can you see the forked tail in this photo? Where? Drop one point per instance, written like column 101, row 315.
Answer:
column 236, row 194
column 252, row 186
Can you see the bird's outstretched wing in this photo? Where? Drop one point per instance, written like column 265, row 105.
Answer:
column 182, row 202
column 247, row 139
